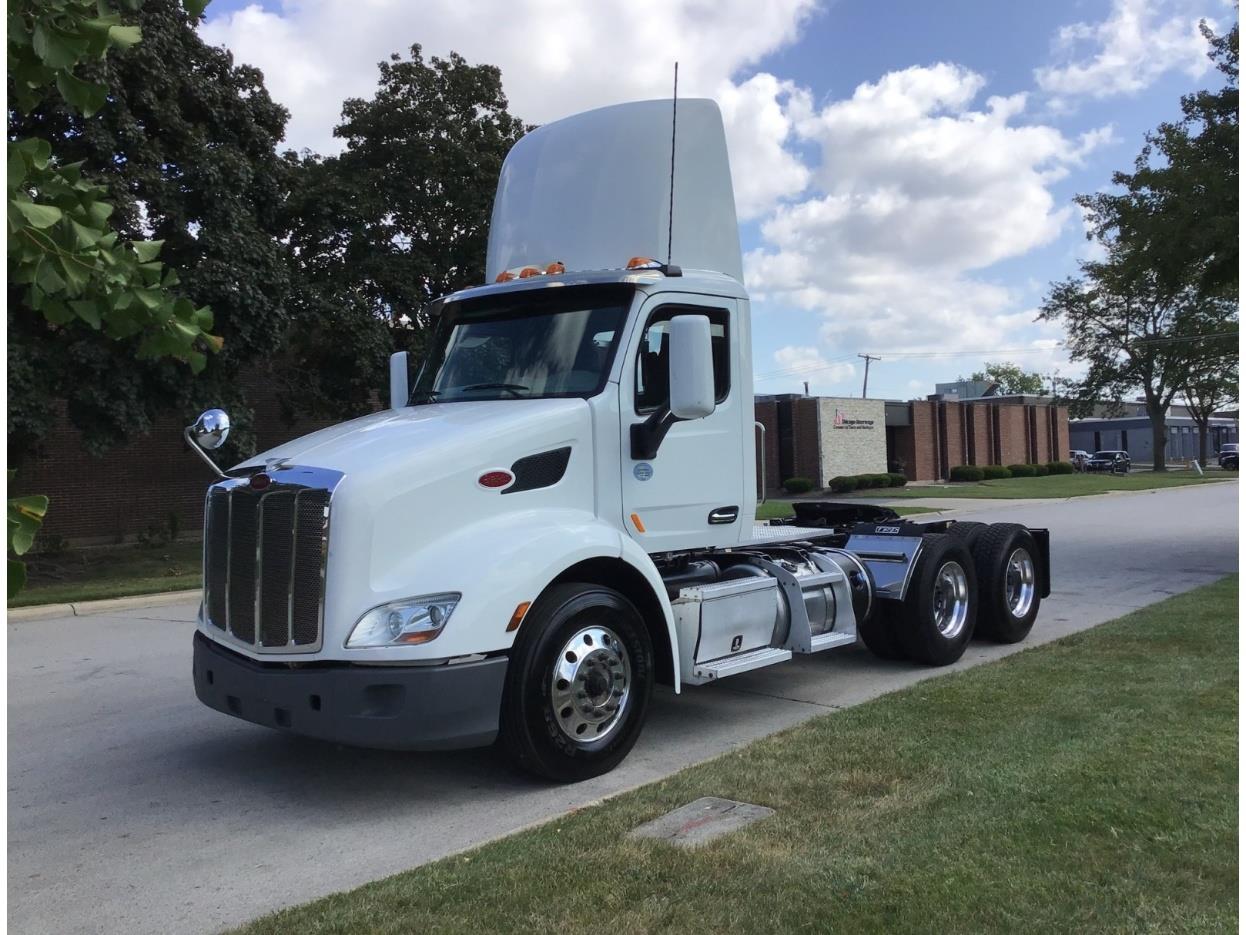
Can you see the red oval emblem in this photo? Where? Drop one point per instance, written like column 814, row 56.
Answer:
column 495, row 479
column 260, row 481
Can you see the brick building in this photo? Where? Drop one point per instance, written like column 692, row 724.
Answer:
column 922, row 439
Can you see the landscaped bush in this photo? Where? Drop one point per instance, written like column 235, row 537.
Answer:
column 796, row 485
column 1040, row 470
column 843, row 484
column 965, row 472
column 996, row 472
column 1021, row 470
column 1059, row 467
column 897, row 480
column 872, row 480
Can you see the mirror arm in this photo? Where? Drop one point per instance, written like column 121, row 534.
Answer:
column 203, row 454
column 647, row 436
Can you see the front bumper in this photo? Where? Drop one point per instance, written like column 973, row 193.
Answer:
column 438, row 707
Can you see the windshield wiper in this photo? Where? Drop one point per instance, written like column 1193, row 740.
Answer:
column 512, row 387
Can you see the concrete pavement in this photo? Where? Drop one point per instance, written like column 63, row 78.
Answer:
column 132, row 808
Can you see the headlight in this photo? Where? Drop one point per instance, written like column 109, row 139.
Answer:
column 404, row 623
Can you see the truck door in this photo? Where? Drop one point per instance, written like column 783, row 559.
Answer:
column 688, row 495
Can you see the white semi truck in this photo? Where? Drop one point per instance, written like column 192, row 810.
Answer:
column 557, row 510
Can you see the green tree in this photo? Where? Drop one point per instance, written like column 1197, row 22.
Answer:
column 1177, row 216
column 1012, row 380
column 1135, row 335
column 1211, row 384
column 186, row 151
column 398, row 219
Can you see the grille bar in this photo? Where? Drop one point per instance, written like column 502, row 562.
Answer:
column 264, row 561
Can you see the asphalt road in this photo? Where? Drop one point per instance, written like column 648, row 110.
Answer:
column 132, row 808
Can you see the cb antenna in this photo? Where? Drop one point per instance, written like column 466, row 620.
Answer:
column 670, row 223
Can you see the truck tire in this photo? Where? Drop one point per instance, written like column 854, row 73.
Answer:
column 941, row 604
column 578, row 685
column 878, row 630
column 1006, row 560
column 968, row 532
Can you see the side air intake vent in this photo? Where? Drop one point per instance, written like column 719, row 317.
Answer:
column 540, row 470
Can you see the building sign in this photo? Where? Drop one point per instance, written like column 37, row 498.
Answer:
column 842, row 423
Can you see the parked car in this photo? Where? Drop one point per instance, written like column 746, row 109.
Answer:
column 1078, row 459
column 1228, row 457
column 1117, row 462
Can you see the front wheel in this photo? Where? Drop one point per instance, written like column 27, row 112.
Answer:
column 579, row 682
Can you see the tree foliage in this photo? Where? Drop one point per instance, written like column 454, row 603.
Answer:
column 1135, row 335
column 68, row 267
column 186, row 152
column 398, row 219
column 1012, row 380
column 1177, row 216
column 1211, row 384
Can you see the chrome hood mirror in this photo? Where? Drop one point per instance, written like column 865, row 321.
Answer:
column 208, row 433
column 211, row 429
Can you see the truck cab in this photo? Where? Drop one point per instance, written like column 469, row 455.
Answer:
column 556, row 511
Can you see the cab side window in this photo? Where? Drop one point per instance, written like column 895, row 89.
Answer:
column 652, row 363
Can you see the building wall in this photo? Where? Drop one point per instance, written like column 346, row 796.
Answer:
column 853, row 437
column 146, row 485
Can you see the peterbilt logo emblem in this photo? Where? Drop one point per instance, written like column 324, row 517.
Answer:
column 886, row 530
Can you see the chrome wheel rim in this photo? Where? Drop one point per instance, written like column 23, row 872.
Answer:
column 591, row 685
column 1019, row 583
column 951, row 600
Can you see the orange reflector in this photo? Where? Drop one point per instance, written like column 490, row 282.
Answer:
column 505, row 276
column 640, row 527
column 554, row 269
column 517, row 616
column 637, row 262
column 529, row 271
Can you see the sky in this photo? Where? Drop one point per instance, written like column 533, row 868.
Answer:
column 903, row 170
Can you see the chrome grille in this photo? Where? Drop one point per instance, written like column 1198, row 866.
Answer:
column 264, row 561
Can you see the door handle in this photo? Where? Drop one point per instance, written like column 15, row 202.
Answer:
column 724, row 515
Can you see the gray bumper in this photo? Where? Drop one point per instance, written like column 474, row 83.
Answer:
column 391, row 707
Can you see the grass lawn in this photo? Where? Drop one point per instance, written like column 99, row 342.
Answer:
column 1087, row 785
column 1058, row 485
column 782, row 509
column 88, row 574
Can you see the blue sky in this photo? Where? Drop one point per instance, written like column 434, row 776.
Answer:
column 903, row 170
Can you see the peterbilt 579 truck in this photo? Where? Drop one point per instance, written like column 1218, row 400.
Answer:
column 557, row 510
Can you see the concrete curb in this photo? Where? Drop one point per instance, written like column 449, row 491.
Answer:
column 88, row 608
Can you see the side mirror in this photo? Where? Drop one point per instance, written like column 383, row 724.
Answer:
column 211, row 429
column 399, row 382
column 207, row 433
column 691, row 367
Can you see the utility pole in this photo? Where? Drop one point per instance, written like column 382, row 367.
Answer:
column 865, row 385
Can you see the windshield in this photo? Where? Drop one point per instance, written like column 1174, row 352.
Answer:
column 533, row 344
column 1106, row 454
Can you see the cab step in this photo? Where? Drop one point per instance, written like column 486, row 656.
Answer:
column 734, row 665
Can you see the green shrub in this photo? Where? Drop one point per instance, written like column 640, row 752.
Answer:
column 843, row 484
column 996, row 472
column 872, row 480
column 965, row 472
column 1021, row 470
column 1059, row 467
column 795, row 485
column 897, row 480
column 1040, row 470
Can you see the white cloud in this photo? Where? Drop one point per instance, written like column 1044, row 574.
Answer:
column 556, row 59
column 794, row 365
column 917, row 188
column 1125, row 53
